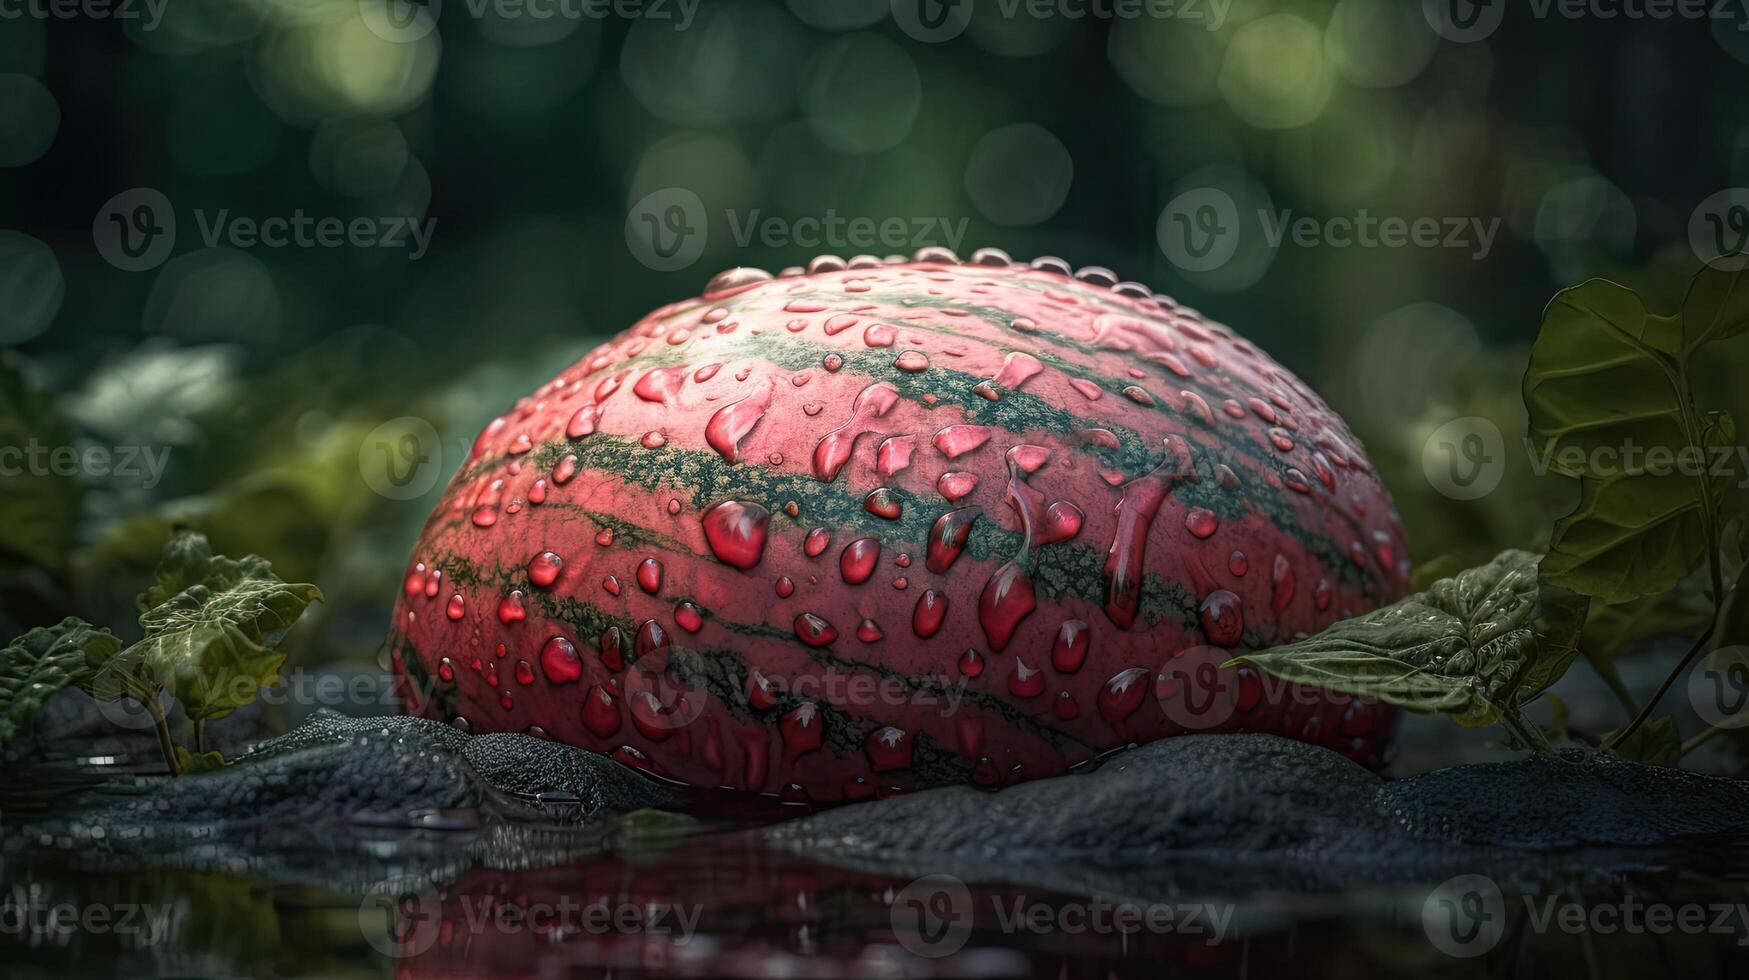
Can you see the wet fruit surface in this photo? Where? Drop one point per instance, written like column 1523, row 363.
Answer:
column 907, row 524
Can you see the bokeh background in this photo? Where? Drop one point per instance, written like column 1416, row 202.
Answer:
column 526, row 142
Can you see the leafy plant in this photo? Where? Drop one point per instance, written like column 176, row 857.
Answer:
column 1476, row 646
column 210, row 627
column 1649, row 550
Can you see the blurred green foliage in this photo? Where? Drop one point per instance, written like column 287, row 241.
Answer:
column 261, row 370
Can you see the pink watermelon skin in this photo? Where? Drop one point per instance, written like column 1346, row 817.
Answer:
column 1139, row 494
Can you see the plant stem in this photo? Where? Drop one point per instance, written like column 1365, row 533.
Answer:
column 1699, row 647
column 162, row 724
column 1697, row 741
column 199, row 735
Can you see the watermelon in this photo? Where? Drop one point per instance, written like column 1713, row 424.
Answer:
column 878, row 525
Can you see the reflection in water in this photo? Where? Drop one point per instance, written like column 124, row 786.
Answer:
column 657, row 897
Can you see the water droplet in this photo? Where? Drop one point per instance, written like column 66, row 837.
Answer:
column 688, row 617
column 446, row 670
column 929, row 614
column 511, row 608
column 650, row 575
column 956, row 440
column 735, row 531
column 1238, row 564
column 971, row 663
column 894, row 454
column 544, row 568
column 1006, row 600
column 1281, row 579
column 1200, row 522
column 857, row 562
column 524, row 673
column 868, row 631
column 734, row 421
column 456, row 608
column 1136, row 508
column 784, row 587
column 1025, row 682
column 610, row 585
column 888, row 749
column 559, row 661
column 1069, row 651
column 882, row 502
column 583, row 423
column 612, row 646
column 814, row 631
column 834, row 449
column 816, row 542
column 600, row 714
column 801, row 728
column 1223, row 621
column 879, row 335
column 956, row 485
column 604, row 537
column 912, row 360
column 947, row 538
column 1122, row 695
column 653, row 440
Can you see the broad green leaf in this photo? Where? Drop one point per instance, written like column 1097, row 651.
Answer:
column 211, row 645
column 1655, row 743
column 1610, row 629
column 1470, row 646
column 44, row 661
column 1716, row 308
column 39, row 499
column 187, row 559
column 1603, row 390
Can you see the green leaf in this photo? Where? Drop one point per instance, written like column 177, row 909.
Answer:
column 211, row 644
column 1716, row 307
column 1606, row 378
column 187, row 560
column 1655, row 743
column 189, row 763
column 1471, row 646
column 44, row 661
column 38, row 506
